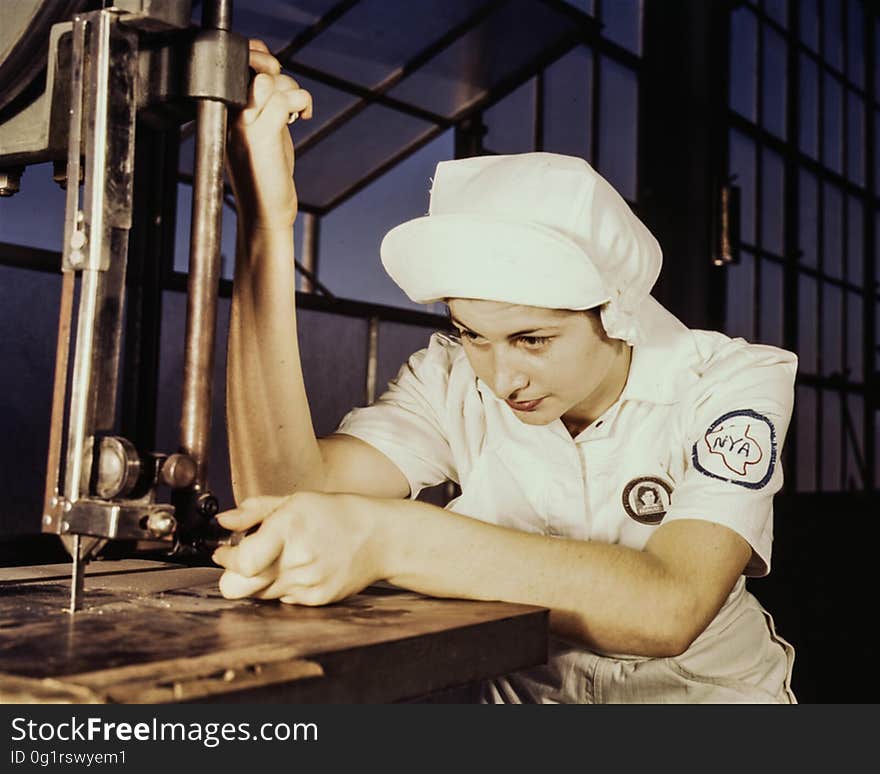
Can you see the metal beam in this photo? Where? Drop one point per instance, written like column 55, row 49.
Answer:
column 347, row 307
column 26, row 257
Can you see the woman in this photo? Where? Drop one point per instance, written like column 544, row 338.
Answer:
column 570, row 393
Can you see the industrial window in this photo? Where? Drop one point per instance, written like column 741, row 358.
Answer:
column 583, row 104
column 802, row 105
column 391, row 80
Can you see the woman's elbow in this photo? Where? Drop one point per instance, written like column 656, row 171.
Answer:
column 664, row 631
column 685, row 622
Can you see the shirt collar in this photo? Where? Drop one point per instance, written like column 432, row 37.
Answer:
column 663, row 361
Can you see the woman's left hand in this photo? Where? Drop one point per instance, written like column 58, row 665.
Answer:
column 311, row 548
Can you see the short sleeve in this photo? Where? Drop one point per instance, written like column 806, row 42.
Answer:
column 406, row 423
column 734, row 426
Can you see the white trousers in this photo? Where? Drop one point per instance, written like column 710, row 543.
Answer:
column 738, row 659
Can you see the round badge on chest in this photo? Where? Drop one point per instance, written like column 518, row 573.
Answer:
column 646, row 499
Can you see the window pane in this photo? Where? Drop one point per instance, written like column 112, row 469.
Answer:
column 35, row 215
column 877, row 66
column 276, row 24
column 805, row 416
column 330, row 105
column 350, row 235
column 511, row 122
column 354, row 151
column 741, row 297
column 582, row 5
column 877, row 142
column 832, row 33
column 622, row 23
column 855, row 138
column 618, row 120
column 298, row 229
column 397, row 341
column 808, row 315
column 182, row 235
column 832, row 235
column 778, row 10
column 170, row 383
column 808, row 218
column 29, row 321
column 855, row 47
column 855, row 443
column 743, row 62
column 568, row 104
column 742, row 167
column 335, row 376
column 855, row 261
column 772, row 202
column 775, row 82
column 810, row 23
column 484, row 57
column 832, row 441
column 772, row 309
column 374, row 39
column 877, row 442
column 854, row 340
column 832, row 124
column 877, row 270
column 832, row 330
column 808, row 101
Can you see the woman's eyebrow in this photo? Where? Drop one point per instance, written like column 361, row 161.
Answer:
column 526, row 332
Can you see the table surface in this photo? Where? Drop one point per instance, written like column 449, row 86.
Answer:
column 156, row 632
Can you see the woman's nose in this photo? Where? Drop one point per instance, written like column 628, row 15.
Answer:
column 509, row 377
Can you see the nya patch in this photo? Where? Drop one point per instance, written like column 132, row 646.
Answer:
column 739, row 447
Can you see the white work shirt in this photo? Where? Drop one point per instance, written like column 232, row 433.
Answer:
column 696, row 434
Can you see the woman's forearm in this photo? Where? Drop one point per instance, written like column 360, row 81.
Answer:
column 272, row 444
column 609, row 597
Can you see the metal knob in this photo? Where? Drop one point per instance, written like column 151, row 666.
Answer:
column 178, row 471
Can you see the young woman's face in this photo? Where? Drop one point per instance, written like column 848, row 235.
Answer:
column 545, row 363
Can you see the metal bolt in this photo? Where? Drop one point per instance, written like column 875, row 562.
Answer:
column 47, row 519
column 65, row 526
column 208, row 505
column 10, row 181
column 76, row 258
column 161, row 524
column 77, row 239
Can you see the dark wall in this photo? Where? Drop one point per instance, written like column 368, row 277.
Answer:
column 821, row 593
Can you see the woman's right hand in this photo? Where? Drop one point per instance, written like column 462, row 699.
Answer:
column 260, row 154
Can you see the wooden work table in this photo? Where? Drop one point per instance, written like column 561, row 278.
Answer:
column 156, row 632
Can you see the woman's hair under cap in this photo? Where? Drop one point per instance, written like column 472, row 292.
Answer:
column 537, row 229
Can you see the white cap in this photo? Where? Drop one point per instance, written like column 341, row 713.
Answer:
column 537, row 229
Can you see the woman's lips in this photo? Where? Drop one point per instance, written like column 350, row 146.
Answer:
column 524, row 405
